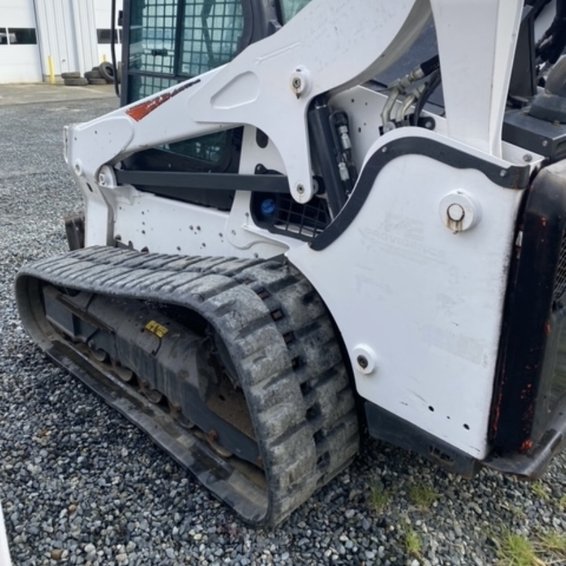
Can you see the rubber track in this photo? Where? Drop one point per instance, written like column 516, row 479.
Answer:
column 280, row 339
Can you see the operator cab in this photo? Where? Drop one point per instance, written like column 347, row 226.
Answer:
column 169, row 41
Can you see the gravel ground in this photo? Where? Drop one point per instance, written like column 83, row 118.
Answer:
column 79, row 484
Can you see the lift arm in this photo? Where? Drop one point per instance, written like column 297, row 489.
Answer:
column 330, row 45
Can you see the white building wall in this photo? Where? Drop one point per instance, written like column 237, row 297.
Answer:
column 85, row 33
column 19, row 63
column 103, row 18
column 66, row 36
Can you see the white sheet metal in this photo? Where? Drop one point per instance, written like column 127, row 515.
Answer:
column 476, row 41
column 427, row 301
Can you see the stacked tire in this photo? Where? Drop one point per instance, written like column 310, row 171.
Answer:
column 107, row 72
column 73, row 79
column 101, row 75
column 94, row 77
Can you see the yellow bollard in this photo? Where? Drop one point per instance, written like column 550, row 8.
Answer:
column 51, row 70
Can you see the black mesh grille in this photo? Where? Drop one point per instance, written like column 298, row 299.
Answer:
column 146, row 85
column 555, row 362
column 281, row 214
column 290, row 8
column 161, row 55
column 558, row 388
column 158, row 37
column 552, row 381
column 211, row 34
column 560, row 278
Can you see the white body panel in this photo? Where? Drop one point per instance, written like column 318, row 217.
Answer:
column 190, row 230
column 137, row 218
column 482, row 49
column 427, row 301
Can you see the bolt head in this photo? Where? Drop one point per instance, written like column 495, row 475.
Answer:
column 364, row 360
column 299, row 81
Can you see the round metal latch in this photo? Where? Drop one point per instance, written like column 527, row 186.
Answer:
column 459, row 212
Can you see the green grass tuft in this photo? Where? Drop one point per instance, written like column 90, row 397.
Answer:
column 413, row 543
column 540, row 490
column 423, row 496
column 553, row 545
column 516, row 550
column 379, row 497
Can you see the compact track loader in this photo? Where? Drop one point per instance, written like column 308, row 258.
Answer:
column 309, row 220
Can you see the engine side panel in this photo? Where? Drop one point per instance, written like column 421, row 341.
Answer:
column 422, row 304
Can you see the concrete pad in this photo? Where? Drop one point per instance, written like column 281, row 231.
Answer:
column 16, row 94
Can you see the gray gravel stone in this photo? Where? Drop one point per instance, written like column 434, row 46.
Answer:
column 76, row 477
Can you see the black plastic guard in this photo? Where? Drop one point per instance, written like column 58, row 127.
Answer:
column 533, row 463
column 528, row 421
column 389, row 427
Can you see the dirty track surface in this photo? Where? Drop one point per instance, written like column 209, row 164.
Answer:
column 79, row 484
